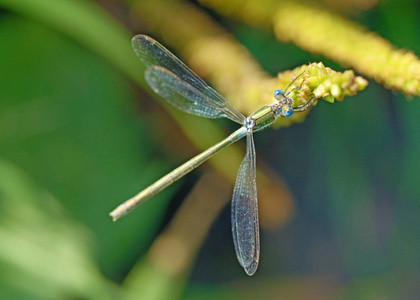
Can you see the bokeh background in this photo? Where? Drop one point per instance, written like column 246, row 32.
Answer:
column 80, row 132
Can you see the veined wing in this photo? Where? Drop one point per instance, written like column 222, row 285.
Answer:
column 153, row 54
column 181, row 94
column 245, row 225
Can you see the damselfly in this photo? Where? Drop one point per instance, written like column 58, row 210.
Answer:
column 181, row 87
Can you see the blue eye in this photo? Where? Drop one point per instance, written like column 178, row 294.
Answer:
column 277, row 93
column 288, row 113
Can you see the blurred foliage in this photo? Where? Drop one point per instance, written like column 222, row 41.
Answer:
column 39, row 241
column 77, row 138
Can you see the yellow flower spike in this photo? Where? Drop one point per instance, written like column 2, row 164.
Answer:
column 319, row 31
column 322, row 82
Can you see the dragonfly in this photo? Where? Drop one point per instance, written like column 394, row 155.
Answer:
column 180, row 86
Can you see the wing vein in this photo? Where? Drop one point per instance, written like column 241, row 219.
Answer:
column 153, row 55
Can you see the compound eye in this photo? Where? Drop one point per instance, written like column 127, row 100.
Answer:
column 278, row 94
column 288, row 113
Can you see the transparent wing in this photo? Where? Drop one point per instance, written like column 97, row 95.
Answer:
column 154, row 54
column 181, row 94
column 245, row 225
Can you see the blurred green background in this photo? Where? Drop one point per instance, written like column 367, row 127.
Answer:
column 78, row 136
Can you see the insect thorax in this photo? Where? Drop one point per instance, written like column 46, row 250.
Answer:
column 264, row 117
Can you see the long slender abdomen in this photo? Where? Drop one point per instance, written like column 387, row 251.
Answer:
column 176, row 174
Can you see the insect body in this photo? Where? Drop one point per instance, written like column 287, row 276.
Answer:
column 178, row 85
